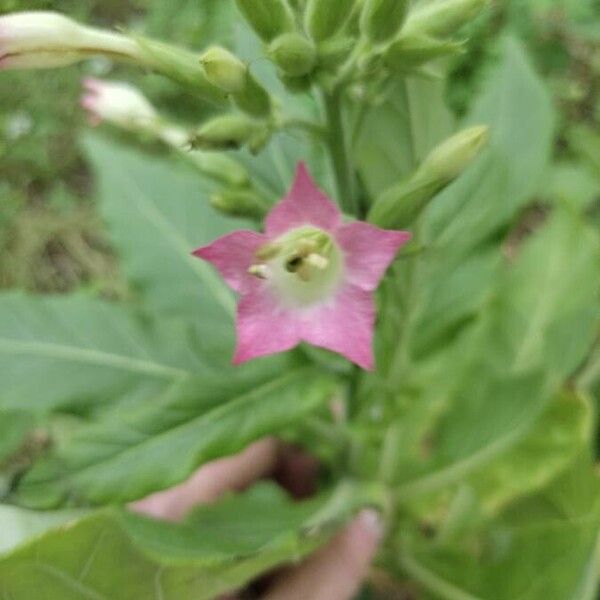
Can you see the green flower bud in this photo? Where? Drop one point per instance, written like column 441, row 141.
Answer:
column 410, row 51
column 324, row 18
column 253, row 99
column 296, row 85
column 239, row 203
column 268, row 18
column 380, row 20
column 226, row 132
column 180, row 65
column 335, row 51
column 294, row 54
column 224, row 70
column 401, row 204
column 448, row 160
column 219, row 167
column 443, row 17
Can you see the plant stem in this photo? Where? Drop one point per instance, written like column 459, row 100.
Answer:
column 338, row 149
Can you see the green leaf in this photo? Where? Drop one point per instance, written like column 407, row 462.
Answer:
column 158, row 213
column 518, row 109
column 218, row 548
column 396, row 135
column 547, row 546
column 18, row 525
column 129, row 454
column 84, row 352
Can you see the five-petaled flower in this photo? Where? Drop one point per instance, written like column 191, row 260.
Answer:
column 310, row 277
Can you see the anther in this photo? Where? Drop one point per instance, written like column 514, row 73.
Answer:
column 259, row 271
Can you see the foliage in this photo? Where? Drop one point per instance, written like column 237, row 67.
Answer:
column 475, row 434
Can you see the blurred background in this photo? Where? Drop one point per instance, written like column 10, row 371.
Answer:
column 52, row 240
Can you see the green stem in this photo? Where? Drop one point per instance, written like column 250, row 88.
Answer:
column 339, row 152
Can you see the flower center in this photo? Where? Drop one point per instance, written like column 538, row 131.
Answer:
column 302, row 267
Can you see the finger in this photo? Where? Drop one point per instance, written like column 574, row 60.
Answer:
column 212, row 481
column 297, row 471
column 336, row 571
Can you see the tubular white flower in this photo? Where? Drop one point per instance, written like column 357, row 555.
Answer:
column 118, row 103
column 41, row 40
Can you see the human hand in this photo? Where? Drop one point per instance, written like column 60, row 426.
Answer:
column 334, row 572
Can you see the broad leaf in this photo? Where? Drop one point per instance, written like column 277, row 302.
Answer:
column 218, row 548
column 158, row 213
column 130, row 454
column 547, row 547
column 77, row 352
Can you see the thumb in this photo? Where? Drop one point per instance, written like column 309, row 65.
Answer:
column 336, row 571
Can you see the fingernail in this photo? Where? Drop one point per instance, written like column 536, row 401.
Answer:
column 371, row 521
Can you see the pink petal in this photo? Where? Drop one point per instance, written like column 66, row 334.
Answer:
column 232, row 255
column 263, row 327
column 368, row 251
column 305, row 204
column 345, row 325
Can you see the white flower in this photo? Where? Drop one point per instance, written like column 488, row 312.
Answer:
column 118, row 103
column 37, row 39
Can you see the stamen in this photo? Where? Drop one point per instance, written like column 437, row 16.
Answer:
column 259, row 271
column 268, row 252
column 318, row 261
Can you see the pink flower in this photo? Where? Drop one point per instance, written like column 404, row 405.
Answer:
column 310, row 277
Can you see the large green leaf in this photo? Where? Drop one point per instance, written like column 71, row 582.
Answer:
column 396, row 135
column 482, row 396
column 456, row 272
column 121, row 556
column 75, row 351
column 131, row 453
column 547, row 546
column 158, row 213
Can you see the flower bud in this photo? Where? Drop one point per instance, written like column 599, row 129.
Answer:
column 410, row 51
column 226, row 132
column 268, row 18
column 223, row 69
column 335, row 51
column 448, row 160
column 219, row 167
column 380, row 20
column 294, row 54
column 239, row 203
column 296, row 85
column 401, row 204
column 443, row 17
column 43, row 40
column 324, row 18
column 118, row 103
column 253, row 99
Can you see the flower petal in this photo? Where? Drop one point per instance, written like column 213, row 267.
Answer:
column 344, row 325
column 262, row 326
column 232, row 255
column 305, row 204
column 368, row 251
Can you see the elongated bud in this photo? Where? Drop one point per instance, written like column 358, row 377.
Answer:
column 179, row 65
column 268, row 18
column 401, row 204
column 294, row 54
column 411, row 51
column 253, row 99
column 443, row 17
column 324, row 18
column 381, row 20
column 239, row 203
column 226, row 132
column 118, row 103
column 44, row 40
column 224, row 70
